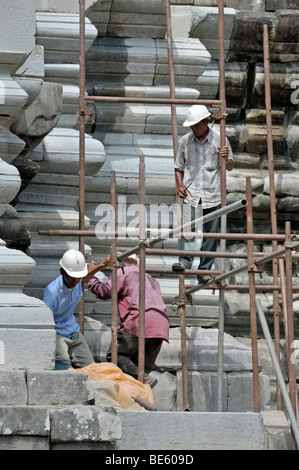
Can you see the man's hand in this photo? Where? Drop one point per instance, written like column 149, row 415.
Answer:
column 93, row 268
column 182, row 191
column 224, row 153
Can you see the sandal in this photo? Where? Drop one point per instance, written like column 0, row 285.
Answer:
column 204, row 279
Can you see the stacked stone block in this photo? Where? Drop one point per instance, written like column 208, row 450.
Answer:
column 52, row 410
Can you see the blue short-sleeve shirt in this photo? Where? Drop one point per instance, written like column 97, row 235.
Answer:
column 63, row 301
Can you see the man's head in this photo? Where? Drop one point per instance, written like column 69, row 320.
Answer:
column 73, row 267
column 198, row 119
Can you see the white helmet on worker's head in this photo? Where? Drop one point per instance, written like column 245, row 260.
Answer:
column 74, row 264
column 196, row 113
column 133, row 259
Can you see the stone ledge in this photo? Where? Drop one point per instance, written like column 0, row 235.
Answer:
column 37, row 427
column 59, row 388
column 196, row 431
column 45, row 388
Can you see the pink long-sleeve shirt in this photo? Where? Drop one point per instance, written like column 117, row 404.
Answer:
column 156, row 319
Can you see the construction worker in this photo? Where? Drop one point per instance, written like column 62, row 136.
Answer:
column 62, row 296
column 197, row 174
column 156, row 319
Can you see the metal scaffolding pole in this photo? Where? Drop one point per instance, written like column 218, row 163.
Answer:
column 223, row 200
column 272, row 198
column 263, row 237
column 181, row 304
column 189, row 225
column 142, row 262
column 276, row 365
column 290, row 323
column 82, row 149
column 113, row 265
column 232, row 272
column 251, row 278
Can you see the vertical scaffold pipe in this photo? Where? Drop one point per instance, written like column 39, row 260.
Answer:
column 272, row 198
column 182, row 307
column 81, row 147
column 223, row 201
column 142, row 238
column 251, row 278
column 113, row 266
column 277, row 370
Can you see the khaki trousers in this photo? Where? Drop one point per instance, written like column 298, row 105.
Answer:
column 74, row 349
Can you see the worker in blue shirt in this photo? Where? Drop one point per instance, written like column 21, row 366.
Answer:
column 62, row 296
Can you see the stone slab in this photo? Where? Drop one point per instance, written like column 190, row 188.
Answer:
column 59, row 388
column 24, row 443
column 24, row 421
column 84, row 423
column 186, row 431
column 13, row 388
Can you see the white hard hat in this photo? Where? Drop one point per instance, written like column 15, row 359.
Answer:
column 196, row 113
column 73, row 262
column 133, row 258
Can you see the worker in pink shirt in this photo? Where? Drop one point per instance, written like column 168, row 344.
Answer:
column 156, row 319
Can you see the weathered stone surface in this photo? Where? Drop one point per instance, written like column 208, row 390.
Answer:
column 247, row 36
column 25, row 322
column 257, row 139
column 13, row 443
column 13, row 388
column 59, row 388
column 272, row 5
column 145, row 61
column 84, row 423
column 197, row 431
column 134, row 19
column 9, row 184
column 284, row 79
column 39, row 118
column 240, row 392
column 24, row 421
column 203, row 351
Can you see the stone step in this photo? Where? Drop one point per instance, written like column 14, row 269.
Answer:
column 190, row 431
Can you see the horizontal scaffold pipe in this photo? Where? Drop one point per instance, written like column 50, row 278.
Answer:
column 205, row 254
column 222, row 277
column 128, row 99
column 189, row 226
column 134, row 234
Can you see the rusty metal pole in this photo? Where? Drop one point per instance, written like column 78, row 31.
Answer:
column 272, row 200
column 290, row 322
column 113, row 266
column 182, row 304
column 82, row 149
column 264, row 237
column 82, row 125
column 284, row 305
column 223, row 199
column 142, row 239
column 252, row 294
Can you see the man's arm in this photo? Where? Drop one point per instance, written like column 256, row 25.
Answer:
column 94, row 268
column 181, row 189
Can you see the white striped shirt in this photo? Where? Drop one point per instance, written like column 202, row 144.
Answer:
column 200, row 163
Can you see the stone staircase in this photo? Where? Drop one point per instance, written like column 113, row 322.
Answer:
column 55, row 410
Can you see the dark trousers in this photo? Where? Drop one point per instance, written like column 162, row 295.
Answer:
column 207, row 244
column 127, row 353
